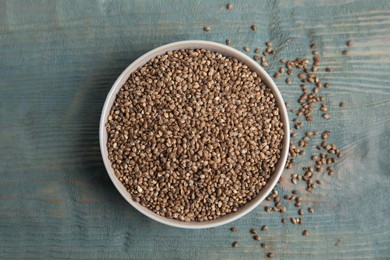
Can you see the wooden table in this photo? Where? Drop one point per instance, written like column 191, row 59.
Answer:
column 58, row 60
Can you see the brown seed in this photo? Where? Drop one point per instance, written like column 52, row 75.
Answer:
column 270, row 255
column 264, row 64
column 311, row 210
column 253, row 27
column 325, row 135
column 328, row 69
column 228, row 41
column 257, row 50
column 305, row 233
column 288, row 81
column 326, row 116
column 345, row 52
column 276, row 75
column 283, row 220
column 342, row 104
column 300, row 212
column 246, row 49
column 326, row 85
column 253, row 231
column 349, row 43
column 269, row 44
column 235, row 244
column 263, row 245
column 282, row 61
column 257, row 238
column 264, row 228
column 206, row 28
column 315, row 52
column 313, row 45
column 233, row 229
column 256, row 57
column 229, row 6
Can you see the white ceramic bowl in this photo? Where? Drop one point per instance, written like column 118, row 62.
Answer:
column 227, row 51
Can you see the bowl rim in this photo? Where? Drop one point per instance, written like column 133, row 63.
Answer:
column 226, row 51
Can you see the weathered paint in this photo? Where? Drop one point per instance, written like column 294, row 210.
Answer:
column 58, row 60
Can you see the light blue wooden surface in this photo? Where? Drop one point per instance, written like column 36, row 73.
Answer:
column 58, row 60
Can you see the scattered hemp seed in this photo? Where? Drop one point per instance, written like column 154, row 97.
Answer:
column 264, row 228
column 229, row 6
column 328, row 69
column 288, row 81
column 269, row 44
column 313, row 45
column 235, row 244
column 326, row 85
column 345, row 52
column 277, row 75
column 294, row 220
column 257, row 50
column 256, row 57
column 349, row 43
column 305, row 233
column 233, row 229
column 342, row 104
column 246, row 49
column 264, row 245
column 326, row 116
column 270, row 255
column 253, row 27
column 325, row 135
column 206, row 28
column 228, row 41
column 311, row 210
column 256, row 237
column 253, row 231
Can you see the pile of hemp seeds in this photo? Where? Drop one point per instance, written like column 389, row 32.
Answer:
column 322, row 162
column 194, row 135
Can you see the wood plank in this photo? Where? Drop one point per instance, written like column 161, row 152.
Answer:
column 58, row 60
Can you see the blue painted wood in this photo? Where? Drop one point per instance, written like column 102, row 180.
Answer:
column 58, row 60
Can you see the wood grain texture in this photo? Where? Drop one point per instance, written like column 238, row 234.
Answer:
column 58, row 60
